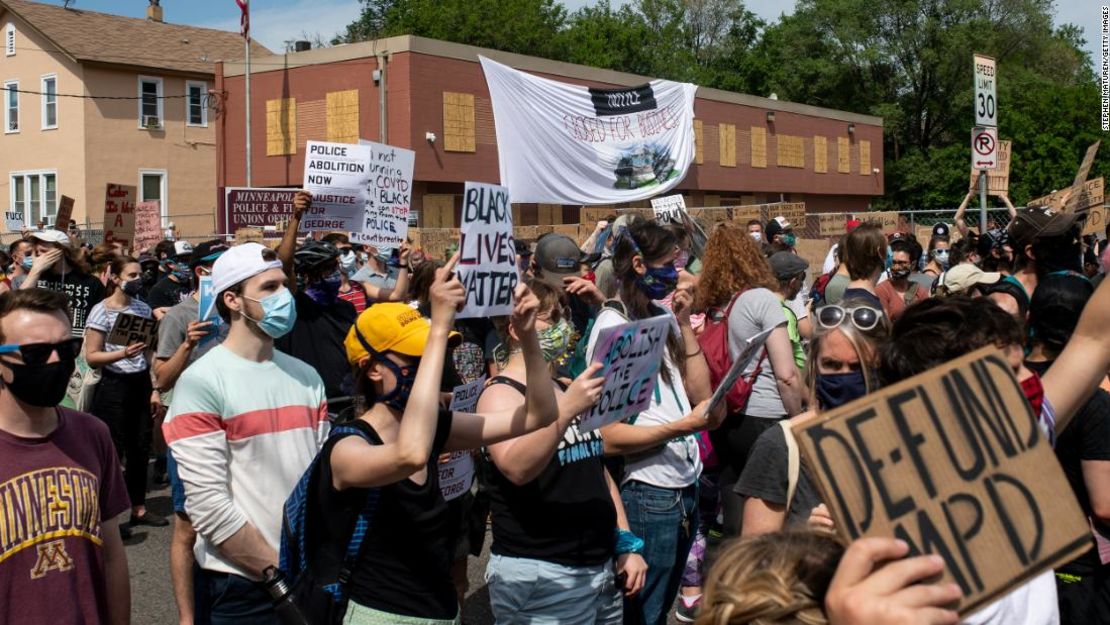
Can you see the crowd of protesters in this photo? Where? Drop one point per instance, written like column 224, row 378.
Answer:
column 326, row 372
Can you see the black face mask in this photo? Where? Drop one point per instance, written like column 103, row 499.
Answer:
column 133, row 287
column 41, row 385
column 406, row 376
column 1058, row 254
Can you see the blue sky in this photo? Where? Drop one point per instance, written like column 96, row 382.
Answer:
column 275, row 21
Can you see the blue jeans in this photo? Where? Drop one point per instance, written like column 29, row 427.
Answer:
column 225, row 599
column 523, row 591
column 667, row 520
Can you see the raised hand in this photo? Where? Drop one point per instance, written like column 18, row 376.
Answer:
column 446, row 294
column 525, row 307
column 302, row 201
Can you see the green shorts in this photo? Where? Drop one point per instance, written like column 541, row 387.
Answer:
column 362, row 615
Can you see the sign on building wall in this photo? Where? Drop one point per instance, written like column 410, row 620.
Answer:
column 256, row 208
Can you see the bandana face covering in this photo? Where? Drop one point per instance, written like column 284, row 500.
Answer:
column 658, row 282
column 555, row 340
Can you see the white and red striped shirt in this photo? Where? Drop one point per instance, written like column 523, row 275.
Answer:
column 242, row 433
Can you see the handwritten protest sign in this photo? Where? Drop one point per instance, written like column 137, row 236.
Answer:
column 669, row 209
column 487, row 254
column 148, row 225
column 752, row 346
column 631, row 355
column 464, row 398
column 1096, row 220
column 131, row 329
column 13, row 222
column 794, row 212
column 953, row 462
column 338, row 176
column 832, row 225
column 65, row 212
column 1081, row 177
column 389, row 196
column 887, row 220
column 119, row 213
column 1088, row 194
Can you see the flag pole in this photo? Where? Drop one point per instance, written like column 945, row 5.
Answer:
column 248, row 103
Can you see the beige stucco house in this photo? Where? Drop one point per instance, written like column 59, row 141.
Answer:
column 159, row 135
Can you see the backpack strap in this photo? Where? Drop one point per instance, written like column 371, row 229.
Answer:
column 793, row 462
column 362, row 520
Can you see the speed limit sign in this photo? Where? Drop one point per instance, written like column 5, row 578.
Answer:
column 986, row 91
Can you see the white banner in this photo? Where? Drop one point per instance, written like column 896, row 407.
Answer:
column 560, row 143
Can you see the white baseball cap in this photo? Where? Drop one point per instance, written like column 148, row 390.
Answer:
column 50, row 236
column 240, row 263
column 182, row 248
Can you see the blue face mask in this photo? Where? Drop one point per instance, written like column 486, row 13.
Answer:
column 278, row 313
column 406, row 377
column 326, row 291
column 835, row 390
column 28, row 260
column 889, row 259
column 658, row 282
column 348, row 263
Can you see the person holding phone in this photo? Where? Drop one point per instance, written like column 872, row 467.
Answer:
column 125, row 397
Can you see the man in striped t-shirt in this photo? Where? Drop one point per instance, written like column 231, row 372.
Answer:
column 246, row 421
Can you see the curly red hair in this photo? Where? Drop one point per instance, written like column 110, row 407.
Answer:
column 733, row 262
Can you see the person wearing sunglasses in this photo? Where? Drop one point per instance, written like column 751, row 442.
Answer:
column 64, row 561
column 125, row 397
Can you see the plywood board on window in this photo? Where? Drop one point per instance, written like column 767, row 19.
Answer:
column 864, row 157
column 458, row 122
column 342, row 116
column 281, row 127
column 549, row 214
column 791, row 151
column 759, row 147
column 843, row 155
column 820, row 155
column 727, row 137
column 712, row 142
column 699, row 143
column 439, row 211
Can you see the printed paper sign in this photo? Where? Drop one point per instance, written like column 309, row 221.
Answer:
column 752, row 347
column 338, row 176
column 206, row 311
column 148, row 225
column 487, row 254
column 131, row 329
column 464, row 398
column 953, row 462
column 119, row 214
column 65, row 213
column 669, row 210
column 389, row 197
column 456, row 474
column 631, row 355
column 13, row 222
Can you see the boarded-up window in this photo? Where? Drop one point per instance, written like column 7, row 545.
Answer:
column 342, row 116
column 458, row 122
column 820, row 155
column 792, row 151
column 759, row 147
column 438, row 212
column 549, row 214
column 843, row 155
column 864, row 158
column 281, row 127
column 699, row 143
column 727, row 139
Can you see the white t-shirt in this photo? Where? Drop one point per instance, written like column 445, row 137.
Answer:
column 678, row 463
column 1033, row 603
column 103, row 318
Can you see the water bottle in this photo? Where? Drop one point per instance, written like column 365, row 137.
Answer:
column 282, row 595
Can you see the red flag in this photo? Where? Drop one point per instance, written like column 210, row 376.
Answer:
column 245, row 20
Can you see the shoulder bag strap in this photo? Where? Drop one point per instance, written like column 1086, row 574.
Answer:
column 793, row 462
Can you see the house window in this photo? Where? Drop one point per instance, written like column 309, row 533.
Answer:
column 35, row 195
column 11, row 107
column 9, row 40
column 196, row 111
column 150, row 102
column 152, row 187
column 49, row 102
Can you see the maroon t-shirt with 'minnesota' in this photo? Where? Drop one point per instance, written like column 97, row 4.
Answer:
column 54, row 493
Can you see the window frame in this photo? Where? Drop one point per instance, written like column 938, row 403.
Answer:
column 159, row 99
column 189, row 84
column 8, row 85
column 45, row 103
column 164, row 190
column 50, row 216
column 9, row 39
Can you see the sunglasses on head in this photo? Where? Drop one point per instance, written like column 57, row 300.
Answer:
column 863, row 317
column 39, row 353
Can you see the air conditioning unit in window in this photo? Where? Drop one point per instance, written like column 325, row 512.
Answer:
column 151, row 121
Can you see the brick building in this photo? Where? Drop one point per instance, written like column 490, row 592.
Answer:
column 405, row 90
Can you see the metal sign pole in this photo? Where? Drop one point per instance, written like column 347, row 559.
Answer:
column 982, row 202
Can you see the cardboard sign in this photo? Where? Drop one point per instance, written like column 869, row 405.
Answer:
column 752, row 347
column 464, row 398
column 631, row 355
column 669, row 209
column 1073, row 202
column 13, row 222
column 1096, row 221
column 148, row 225
column 1090, row 194
column 487, row 253
column 794, row 212
column 456, row 475
column 249, row 235
column 887, row 220
column 338, row 177
column 832, row 225
column 953, row 462
column 132, row 329
column 65, row 213
column 119, row 214
column 741, row 215
column 389, row 197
